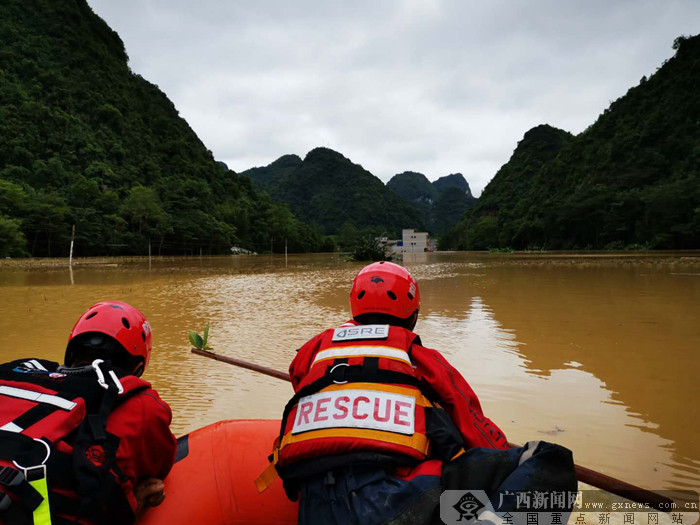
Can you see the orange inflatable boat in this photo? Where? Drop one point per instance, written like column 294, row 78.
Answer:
column 212, row 481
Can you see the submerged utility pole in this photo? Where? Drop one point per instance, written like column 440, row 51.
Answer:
column 72, row 240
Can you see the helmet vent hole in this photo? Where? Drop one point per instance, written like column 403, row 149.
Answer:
column 361, row 294
column 93, row 314
column 143, row 336
column 125, row 322
column 410, row 296
column 391, row 295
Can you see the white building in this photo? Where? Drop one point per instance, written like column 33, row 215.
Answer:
column 412, row 242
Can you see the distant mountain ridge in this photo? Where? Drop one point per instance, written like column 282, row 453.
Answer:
column 441, row 203
column 632, row 179
column 327, row 189
column 311, row 187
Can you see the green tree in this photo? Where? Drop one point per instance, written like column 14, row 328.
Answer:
column 44, row 224
column 143, row 208
column 368, row 248
column 12, row 241
column 348, row 236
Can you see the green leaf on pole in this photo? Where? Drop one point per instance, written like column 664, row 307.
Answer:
column 199, row 342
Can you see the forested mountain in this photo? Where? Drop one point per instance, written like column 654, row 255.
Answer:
column 328, row 190
column 451, row 205
column 632, row 179
column 455, row 180
column 415, row 189
column 268, row 177
column 441, row 203
column 84, row 141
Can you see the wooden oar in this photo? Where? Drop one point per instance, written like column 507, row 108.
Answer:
column 586, row 475
column 243, row 364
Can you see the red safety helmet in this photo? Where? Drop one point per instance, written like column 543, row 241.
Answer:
column 120, row 321
column 384, row 288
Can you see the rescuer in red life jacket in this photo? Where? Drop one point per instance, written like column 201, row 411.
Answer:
column 89, row 441
column 375, row 414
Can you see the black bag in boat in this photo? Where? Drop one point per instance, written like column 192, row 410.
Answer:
column 538, row 467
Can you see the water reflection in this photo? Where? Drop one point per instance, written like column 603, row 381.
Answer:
column 567, row 405
column 634, row 329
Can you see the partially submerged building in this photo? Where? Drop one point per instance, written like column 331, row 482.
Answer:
column 411, row 242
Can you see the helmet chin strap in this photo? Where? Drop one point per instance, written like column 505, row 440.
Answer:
column 413, row 320
column 88, row 369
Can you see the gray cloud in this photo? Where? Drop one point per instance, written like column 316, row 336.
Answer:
column 435, row 86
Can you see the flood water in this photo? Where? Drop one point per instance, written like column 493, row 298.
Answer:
column 597, row 353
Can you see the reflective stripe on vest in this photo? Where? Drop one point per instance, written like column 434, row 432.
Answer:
column 363, row 351
column 37, row 397
column 37, row 479
column 11, row 427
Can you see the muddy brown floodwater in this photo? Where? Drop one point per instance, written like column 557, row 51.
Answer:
column 599, row 353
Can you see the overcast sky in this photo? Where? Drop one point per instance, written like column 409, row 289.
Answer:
column 434, row 86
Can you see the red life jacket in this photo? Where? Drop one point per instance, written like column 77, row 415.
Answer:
column 360, row 395
column 52, row 416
